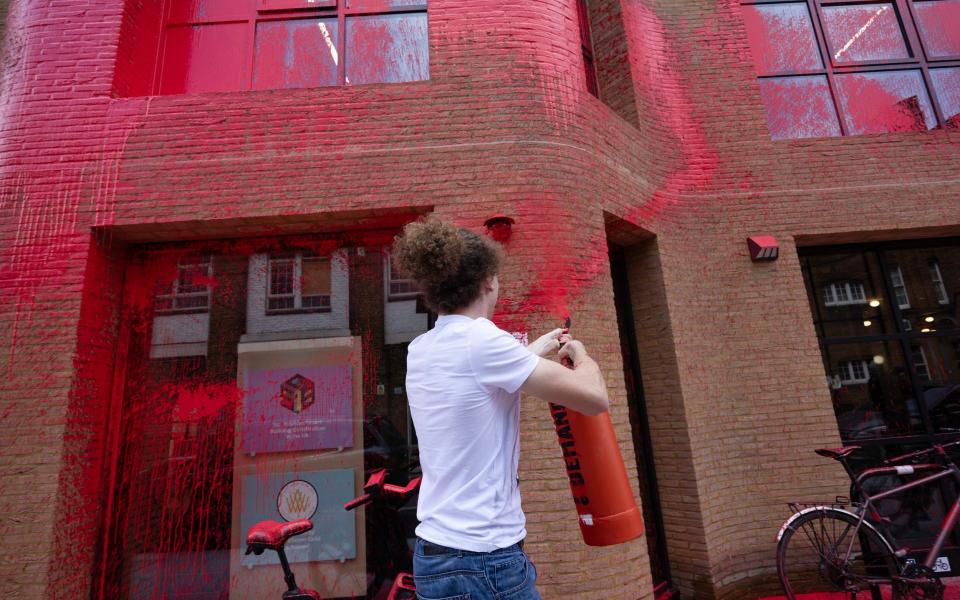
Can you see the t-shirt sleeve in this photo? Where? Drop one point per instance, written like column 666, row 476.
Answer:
column 498, row 359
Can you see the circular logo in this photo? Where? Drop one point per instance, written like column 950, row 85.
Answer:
column 297, row 500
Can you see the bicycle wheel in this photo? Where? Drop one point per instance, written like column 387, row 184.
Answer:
column 819, row 553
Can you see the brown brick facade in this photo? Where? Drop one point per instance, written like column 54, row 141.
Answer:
column 678, row 150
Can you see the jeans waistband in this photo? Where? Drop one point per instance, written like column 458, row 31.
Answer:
column 431, row 549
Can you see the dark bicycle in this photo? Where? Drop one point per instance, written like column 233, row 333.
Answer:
column 390, row 556
column 851, row 550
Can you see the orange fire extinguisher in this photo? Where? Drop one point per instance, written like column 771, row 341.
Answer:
column 602, row 493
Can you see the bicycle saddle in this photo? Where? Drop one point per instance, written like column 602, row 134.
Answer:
column 837, row 453
column 272, row 535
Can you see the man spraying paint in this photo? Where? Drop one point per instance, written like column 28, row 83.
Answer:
column 464, row 379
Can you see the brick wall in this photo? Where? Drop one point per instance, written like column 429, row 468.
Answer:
column 504, row 125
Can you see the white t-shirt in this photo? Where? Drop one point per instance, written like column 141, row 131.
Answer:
column 463, row 381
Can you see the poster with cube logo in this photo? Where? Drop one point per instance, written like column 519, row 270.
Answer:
column 297, row 408
column 315, row 495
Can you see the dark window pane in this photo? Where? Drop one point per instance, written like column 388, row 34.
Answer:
column 387, row 48
column 887, row 101
column 846, row 293
column 939, row 24
column 294, row 54
column 871, row 390
column 282, row 303
column 781, row 38
column 204, row 58
column 946, row 84
column 864, row 32
column 316, row 301
column 928, row 277
column 936, row 363
column 281, row 277
column 799, row 107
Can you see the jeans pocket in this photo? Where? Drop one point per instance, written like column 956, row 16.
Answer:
column 440, row 588
column 459, row 597
column 510, row 574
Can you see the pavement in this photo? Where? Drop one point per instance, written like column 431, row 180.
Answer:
column 952, row 593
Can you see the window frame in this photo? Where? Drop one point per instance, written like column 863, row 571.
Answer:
column 896, row 285
column 847, row 286
column 939, row 287
column 903, row 337
column 845, row 367
column 913, row 40
column 260, row 14
column 297, row 285
column 389, row 279
column 586, row 47
column 175, row 291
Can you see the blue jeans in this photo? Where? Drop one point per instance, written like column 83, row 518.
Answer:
column 504, row 574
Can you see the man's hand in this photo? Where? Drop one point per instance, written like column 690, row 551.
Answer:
column 547, row 344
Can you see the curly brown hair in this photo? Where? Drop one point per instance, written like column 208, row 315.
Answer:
column 448, row 263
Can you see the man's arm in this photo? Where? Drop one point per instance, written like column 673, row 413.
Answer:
column 580, row 388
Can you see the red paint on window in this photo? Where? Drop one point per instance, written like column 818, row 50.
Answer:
column 295, row 53
column 387, row 48
column 882, row 102
column 939, row 25
column 799, row 107
column 946, row 82
column 864, row 32
column 204, row 58
column 781, row 38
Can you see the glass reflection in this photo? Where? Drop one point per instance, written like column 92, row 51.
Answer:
column 261, row 383
column 871, row 390
column 847, row 292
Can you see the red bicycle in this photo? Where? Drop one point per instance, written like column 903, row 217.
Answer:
column 392, row 556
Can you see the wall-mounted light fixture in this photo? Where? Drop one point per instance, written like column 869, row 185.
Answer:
column 499, row 227
column 763, row 247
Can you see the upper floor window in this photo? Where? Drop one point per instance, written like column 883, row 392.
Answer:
column 841, row 293
column 839, row 67
column 298, row 282
column 586, row 46
column 189, row 291
column 899, row 287
column 230, row 45
column 854, row 372
column 938, row 285
column 401, row 288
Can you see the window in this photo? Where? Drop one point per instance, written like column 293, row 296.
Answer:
column 586, row 46
column 400, row 288
column 277, row 423
column 189, row 292
column 854, row 372
column 230, row 45
column 842, row 293
column 298, row 283
column 899, row 287
column 834, row 67
column 941, row 290
column 920, row 366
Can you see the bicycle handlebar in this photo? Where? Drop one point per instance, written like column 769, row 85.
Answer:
column 377, row 488
column 356, row 502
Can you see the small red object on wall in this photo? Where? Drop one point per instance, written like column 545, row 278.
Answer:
column 296, row 393
column 763, row 247
column 499, row 227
